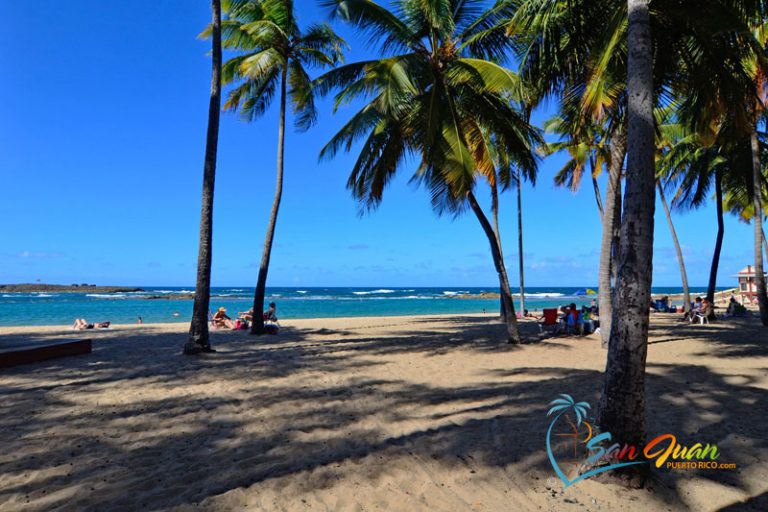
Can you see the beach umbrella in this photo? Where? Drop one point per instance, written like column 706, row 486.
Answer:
column 583, row 291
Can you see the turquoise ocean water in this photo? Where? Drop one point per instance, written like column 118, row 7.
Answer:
column 63, row 308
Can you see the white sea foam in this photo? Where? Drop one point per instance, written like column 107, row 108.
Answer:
column 371, row 292
column 44, row 295
column 301, row 291
column 545, row 294
column 106, row 295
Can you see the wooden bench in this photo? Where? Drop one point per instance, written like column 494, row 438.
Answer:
column 32, row 354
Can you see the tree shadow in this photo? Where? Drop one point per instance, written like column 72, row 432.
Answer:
column 136, row 415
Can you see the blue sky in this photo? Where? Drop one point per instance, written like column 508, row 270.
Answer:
column 104, row 115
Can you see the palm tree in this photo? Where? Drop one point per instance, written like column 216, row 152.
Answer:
column 521, row 259
column 757, row 221
column 668, row 135
column 273, row 54
column 622, row 403
column 758, row 106
column 575, row 52
column 439, row 93
column 198, row 340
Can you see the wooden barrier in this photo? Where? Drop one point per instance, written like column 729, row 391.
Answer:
column 25, row 355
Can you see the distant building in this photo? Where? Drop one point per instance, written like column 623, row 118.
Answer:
column 747, row 285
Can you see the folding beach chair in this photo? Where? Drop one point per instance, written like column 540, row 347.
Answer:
column 549, row 319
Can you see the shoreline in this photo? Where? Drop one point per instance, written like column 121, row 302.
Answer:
column 290, row 322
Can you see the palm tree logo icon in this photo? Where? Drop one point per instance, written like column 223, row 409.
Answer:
column 560, row 407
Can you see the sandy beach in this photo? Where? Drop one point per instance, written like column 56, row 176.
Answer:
column 394, row 413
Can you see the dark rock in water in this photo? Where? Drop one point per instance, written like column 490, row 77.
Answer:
column 60, row 288
column 482, row 295
column 170, row 296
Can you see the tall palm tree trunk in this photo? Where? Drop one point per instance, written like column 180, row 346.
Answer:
column 719, row 242
column 506, row 295
column 198, row 340
column 497, row 232
column 615, row 243
column 520, row 239
column 622, row 403
column 257, row 325
column 604, row 290
column 757, row 220
column 683, row 273
column 765, row 244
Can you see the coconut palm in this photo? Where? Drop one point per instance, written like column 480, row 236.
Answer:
column 198, row 340
column 668, row 135
column 760, row 73
column 509, row 176
column 622, row 403
column 273, row 54
column 757, row 221
column 439, row 93
column 575, row 54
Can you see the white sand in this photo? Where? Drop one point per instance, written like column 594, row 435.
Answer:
column 401, row 414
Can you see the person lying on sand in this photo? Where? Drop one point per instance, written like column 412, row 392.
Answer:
column 220, row 319
column 82, row 323
column 246, row 316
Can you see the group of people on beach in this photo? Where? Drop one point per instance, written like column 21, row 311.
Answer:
column 220, row 319
column 570, row 318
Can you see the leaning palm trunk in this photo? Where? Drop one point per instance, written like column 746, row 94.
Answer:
column 596, row 188
column 257, row 326
column 520, row 239
column 618, row 150
column 498, row 262
column 622, row 403
column 719, row 241
column 757, row 220
column 198, row 340
column 683, row 273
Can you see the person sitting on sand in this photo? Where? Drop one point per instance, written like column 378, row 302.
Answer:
column 271, row 325
column 220, row 319
column 82, row 323
column 269, row 315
